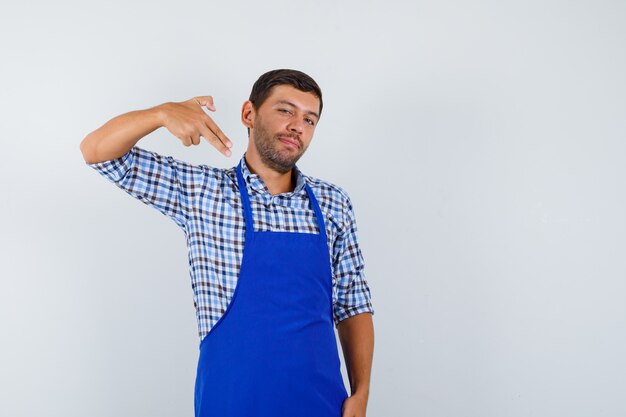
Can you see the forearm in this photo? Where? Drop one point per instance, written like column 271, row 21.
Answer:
column 120, row 134
column 356, row 335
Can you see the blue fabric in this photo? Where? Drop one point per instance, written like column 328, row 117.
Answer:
column 273, row 352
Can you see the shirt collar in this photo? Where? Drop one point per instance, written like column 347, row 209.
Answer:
column 255, row 182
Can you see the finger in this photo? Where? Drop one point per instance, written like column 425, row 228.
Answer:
column 186, row 140
column 218, row 132
column 215, row 141
column 206, row 101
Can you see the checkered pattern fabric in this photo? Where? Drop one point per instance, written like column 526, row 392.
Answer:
column 205, row 203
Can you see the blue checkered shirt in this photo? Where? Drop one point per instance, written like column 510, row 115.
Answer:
column 205, row 203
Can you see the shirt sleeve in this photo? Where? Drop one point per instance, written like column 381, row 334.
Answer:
column 162, row 182
column 353, row 294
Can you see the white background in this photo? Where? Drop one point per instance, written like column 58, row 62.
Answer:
column 482, row 144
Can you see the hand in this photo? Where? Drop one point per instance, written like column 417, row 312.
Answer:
column 188, row 122
column 354, row 406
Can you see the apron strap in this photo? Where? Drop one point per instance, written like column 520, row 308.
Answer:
column 245, row 199
column 318, row 213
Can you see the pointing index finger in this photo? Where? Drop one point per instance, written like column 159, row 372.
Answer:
column 218, row 132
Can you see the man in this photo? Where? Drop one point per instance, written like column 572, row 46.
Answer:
column 273, row 255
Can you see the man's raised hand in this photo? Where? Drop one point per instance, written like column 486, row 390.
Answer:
column 188, row 122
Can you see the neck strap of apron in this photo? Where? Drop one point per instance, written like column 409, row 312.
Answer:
column 247, row 210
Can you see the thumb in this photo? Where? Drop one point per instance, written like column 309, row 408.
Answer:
column 206, row 101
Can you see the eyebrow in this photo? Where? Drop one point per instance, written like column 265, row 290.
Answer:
column 289, row 103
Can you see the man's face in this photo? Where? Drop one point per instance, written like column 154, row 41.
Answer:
column 284, row 126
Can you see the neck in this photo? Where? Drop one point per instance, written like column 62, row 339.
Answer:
column 275, row 181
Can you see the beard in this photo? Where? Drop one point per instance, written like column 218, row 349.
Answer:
column 280, row 160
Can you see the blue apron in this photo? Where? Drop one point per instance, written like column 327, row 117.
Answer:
column 273, row 353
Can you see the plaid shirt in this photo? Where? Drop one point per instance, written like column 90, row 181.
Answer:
column 205, row 203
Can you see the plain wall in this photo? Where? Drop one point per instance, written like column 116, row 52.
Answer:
column 482, row 144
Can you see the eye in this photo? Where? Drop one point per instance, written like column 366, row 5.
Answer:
column 284, row 111
column 310, row 121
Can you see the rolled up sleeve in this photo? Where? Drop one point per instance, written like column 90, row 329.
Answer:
column 353, row 293
column 162, row 182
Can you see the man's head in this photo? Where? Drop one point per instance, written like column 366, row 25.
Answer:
column 262, row 88
column 281, row 115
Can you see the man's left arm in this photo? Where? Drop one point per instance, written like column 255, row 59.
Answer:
column 356, row 335
column 353, row 312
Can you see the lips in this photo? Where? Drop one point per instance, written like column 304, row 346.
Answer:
column 289, row 141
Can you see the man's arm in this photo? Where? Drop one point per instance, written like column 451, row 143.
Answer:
column 353, row 311
column 185, row 120
column 117, row 136
column 167, row 184
column 356, row 335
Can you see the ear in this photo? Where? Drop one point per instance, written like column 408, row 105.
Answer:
column 248, row 114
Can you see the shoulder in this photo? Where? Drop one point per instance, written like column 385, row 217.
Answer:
column 326, row 189
column 333, row 199
column 228, row 176
column 184, row 169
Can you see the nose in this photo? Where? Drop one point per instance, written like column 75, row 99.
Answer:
column 296, row 126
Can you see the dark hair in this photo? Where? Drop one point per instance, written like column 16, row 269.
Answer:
column 297, row 79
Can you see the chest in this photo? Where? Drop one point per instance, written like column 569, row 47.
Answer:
column 217, row 219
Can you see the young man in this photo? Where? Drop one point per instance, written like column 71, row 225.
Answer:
column 273, row 253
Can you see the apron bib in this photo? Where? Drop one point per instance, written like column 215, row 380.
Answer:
column 273, row 353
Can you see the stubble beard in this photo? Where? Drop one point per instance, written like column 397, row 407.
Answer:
column 271, row 156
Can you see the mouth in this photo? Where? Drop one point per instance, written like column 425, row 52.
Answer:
column 289, row 141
